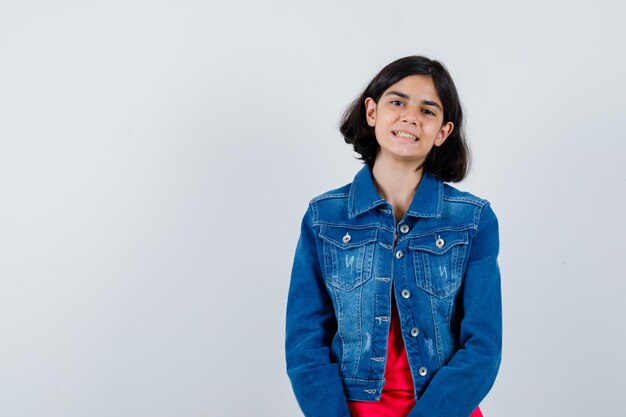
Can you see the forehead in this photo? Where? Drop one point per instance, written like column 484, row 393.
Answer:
column 416, row 86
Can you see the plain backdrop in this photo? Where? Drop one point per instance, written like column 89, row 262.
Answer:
column 156, row 158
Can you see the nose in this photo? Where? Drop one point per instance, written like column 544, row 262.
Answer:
column 410, row 115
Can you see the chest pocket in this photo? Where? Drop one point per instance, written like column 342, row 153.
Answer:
column 348, row 255
column 438, row 259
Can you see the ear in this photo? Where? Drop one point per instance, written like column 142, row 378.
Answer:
column 370, row 111
column 443, row 134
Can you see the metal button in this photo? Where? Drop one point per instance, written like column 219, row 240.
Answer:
column 423, row 371
column 405, row 293
column 347, row 238
column 399, row 254
column 440, row 242
column 415, row 331
column 404, row 228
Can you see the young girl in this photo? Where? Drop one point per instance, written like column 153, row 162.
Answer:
column 394, row 304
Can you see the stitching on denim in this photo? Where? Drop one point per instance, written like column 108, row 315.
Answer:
column 354, row 243
column 314, row 212
column 381, row 319
column 448, row 328
column 375, row 331
column 360, row 265
column 457, row 255
column 450, row 246
column 476, row 202
column 368, row 208
column 378, row 359
column 438, row 209
column 375, row 203
column 387, row 228
column 440, row 199
column 334, row 268
column 340, row 331
column 383, row 279
column 370, row 391
column 428, row 284
column 422, row 215
column 418, row 271
column 437, row 331
column 449, row 314
column 351, row 202
column 437, row 230
column 455, row 280
column 334, row 264
column 359, row 317
column 478, row 214
column 362, row 381
column 328, row 263
column 439, row 252
column 448, row 322
column 351, row 194
column 414, row 342
column 328, row 196
column 364, row 263
column 347, row 225
column 367, row 261
column 458, row 268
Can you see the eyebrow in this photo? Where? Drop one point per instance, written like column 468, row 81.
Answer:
column 406, row 97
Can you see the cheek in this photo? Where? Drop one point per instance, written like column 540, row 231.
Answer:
column 434, row 128
column 379, row 133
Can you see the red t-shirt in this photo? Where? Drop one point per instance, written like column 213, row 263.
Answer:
column 397, row 396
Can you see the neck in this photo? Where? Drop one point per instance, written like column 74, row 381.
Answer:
column 396, row 182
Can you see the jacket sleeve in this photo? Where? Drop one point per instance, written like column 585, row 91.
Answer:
column 310, row 328
column 459, row 386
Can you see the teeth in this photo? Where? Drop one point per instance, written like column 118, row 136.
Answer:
column 406, row 135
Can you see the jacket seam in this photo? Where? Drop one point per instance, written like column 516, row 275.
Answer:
column 328, row 196
column 477, row 201
column 346, row 225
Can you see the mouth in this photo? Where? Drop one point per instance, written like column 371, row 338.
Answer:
column 405, row 135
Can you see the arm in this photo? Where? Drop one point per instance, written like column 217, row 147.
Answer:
column 460, row 385
column 311, row 325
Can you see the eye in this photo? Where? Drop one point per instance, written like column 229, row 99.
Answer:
column 397, row 103
column 428, row 112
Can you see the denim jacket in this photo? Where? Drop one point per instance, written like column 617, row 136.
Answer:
column 444, row 272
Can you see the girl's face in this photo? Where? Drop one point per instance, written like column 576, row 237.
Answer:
column 408, row 119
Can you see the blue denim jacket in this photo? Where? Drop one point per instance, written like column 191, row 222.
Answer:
column 444, row 272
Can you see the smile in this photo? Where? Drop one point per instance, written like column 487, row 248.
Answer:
column 405, row 135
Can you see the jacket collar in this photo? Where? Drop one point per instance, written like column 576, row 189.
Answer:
column 363, row 197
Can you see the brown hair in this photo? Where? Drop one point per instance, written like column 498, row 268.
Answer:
column 448, row 162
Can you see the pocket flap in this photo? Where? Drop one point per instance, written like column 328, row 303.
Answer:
column 345, row 237
column 439, row 243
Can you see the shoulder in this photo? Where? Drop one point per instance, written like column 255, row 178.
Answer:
column 335, row 193
column 454, row 195
column 331, row 205
column 457, row 201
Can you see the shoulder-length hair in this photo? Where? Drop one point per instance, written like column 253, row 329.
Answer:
column 450, row 161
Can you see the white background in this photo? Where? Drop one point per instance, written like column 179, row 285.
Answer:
column 156, row 158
